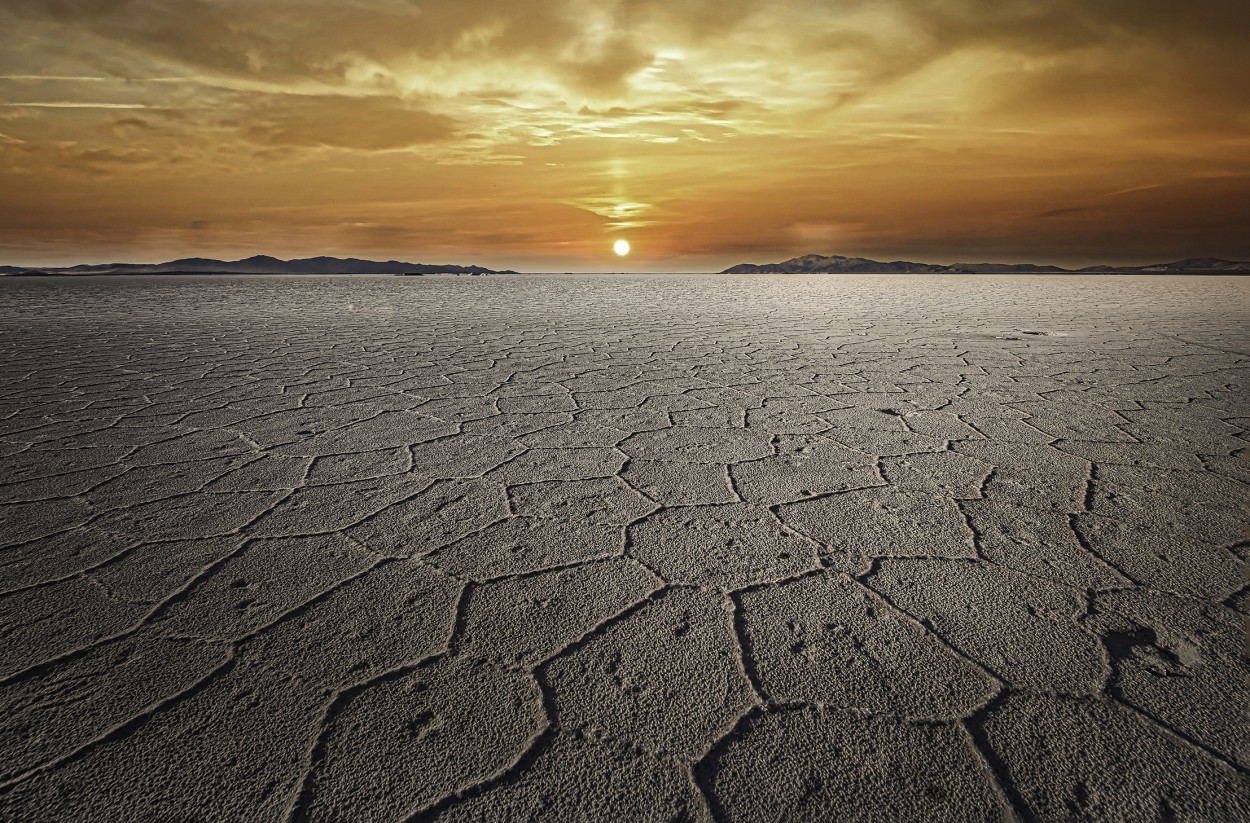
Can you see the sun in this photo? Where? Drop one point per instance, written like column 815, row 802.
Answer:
column 621, row 247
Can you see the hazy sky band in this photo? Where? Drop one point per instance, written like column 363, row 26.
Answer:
column 533, row 133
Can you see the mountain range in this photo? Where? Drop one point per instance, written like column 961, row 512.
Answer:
column 838, row 264
column 814, row 263
column 260, row 264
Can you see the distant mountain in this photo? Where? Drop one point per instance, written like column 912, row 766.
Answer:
column 1192, row 264
column 260, row 264
column 816, row 263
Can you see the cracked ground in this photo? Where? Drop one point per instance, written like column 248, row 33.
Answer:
column 624, row 548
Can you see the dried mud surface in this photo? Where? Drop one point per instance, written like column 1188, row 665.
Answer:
column 624, row 548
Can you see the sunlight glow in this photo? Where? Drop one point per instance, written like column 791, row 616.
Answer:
column 621, row 247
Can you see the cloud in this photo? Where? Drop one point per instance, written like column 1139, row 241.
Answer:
column 1133, row 190
column 1061, row 212
column 1019, row 56
column 35, row 159
column 365, row 123
column 743, row 124
column 71, row 104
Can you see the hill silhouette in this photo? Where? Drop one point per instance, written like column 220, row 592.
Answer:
column 258, row 264
column 816, row 263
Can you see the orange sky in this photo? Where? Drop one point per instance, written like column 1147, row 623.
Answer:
column 531, row 134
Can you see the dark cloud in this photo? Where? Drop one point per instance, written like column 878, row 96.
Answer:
column 1189, row 57
column 1093, row 51
column 285, row 41
column 1063, row 212
column 35, row 159
column 605, row 72
column 686, row 20
column 366, row 123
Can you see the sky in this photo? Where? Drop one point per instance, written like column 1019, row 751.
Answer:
column 533, row 134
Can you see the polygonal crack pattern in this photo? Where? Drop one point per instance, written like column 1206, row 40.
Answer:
column 598, row 549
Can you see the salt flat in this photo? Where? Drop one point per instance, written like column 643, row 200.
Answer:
column 624, row 548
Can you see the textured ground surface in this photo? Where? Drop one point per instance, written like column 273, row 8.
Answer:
column 610, row 548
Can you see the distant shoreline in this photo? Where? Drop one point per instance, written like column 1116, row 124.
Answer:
column 85, row 275
column 807, row 264
column 75, row 275
column 838, row 264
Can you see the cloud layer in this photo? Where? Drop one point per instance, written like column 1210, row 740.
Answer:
column 535, row 132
